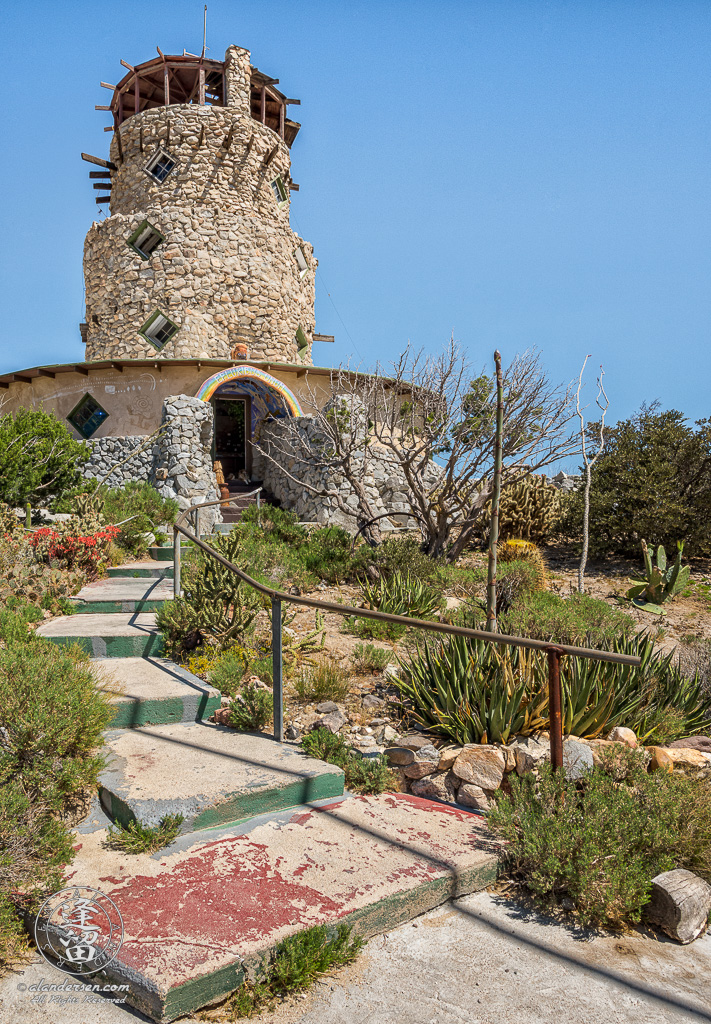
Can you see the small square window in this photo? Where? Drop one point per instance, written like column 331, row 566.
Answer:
column 301, row 262
column 87, row 417
column 301, row 340
column 158, row 329
column 160, row 165
column 145, row 239
column 279, row 189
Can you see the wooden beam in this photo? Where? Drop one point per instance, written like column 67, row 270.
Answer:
column 293, row 186
column 272, row 153
column 46, row 373
column 105, row 85
column 82, row 370
column 100, row 106
column 110, row 128
column 324, row 337
column 282, row 112
column 102, row 200
column 98, row 161
column 140, row 138
column 136, row 95
column 202, row 136
column 117, row 366
column 263, row 109
column 228, row 138
column 101, row 184
column 296, row 103
column 201, row 86
column 22, row 377
column 4, row 385
column 129, row 66
column 117, row 134
column 99, row 174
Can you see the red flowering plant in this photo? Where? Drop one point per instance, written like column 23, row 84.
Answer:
column 70, row 546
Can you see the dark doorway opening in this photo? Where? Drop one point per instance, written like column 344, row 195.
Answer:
column 231, row 436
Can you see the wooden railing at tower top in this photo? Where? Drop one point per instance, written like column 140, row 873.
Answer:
column 553, row 651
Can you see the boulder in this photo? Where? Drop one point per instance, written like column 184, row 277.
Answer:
column 222, row 716
column 414, row 741
column 577, row 759
column 509, row 757
column 702, row 743
column 480, row 765
column 419, row 769
column 679, row 904
column 686, row 759
column 371, row 701
column 386, row 735
column 474, row 796
column 528, row 752
column 292, row 732
column 427, row 753
column 622, row 735
column 333, row 721
column 447, row 757
column 327, row 707
column 400, row 756
column 436, row 787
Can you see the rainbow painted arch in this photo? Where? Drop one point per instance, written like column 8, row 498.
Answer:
column 252, row 374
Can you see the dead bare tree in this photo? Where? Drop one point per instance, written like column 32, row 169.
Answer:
column 432, row 418
column 603, row 404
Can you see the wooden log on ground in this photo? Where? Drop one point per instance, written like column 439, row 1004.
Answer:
column 679, row 905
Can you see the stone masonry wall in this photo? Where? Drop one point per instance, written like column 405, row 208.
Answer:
column 226, row 272
column 384, row 481
column 178, row 463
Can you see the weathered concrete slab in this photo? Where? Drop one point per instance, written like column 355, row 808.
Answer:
column 196, row 916
column 210, row 774
column 143, row 570
column 122, row 635
column 154, row 691
column 123, row 594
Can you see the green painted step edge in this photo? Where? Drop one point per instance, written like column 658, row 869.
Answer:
column 113, row 607
column 239, row 807
column 147, row 646
column 164, row 554
column 129, row 714
column 154, row 574
column 386, row 914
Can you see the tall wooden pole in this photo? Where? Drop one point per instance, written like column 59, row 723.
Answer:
column 491, row 623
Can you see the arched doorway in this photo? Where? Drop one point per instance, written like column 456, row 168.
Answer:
column 242, row 396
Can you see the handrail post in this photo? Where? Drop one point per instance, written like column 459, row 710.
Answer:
column 176, row 563
column 555, row 706
column 277, row 683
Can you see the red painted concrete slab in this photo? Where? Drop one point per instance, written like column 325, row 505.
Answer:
column 194, row 917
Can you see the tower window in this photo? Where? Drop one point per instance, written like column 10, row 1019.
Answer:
column 87, row 417
column 279, row 189
column 158, row 329
column 145, row 239
column 302, row 341
column 160, row 165
column 301, row 262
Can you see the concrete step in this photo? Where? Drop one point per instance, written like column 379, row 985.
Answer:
column 211, row 774
column 142, row 570
column 164, row 552
column 123, row 594
column 154, row 691
column 202, row 912
column 122, row 635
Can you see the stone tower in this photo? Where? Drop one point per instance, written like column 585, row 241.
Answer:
column 197, row 259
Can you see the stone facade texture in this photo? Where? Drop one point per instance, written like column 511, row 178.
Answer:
column 113, row 460
column 226, row 273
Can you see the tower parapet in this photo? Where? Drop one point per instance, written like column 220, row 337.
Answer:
column 198, row 259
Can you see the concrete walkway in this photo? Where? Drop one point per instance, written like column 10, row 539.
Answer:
column 480, row 960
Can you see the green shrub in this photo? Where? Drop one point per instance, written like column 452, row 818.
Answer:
column 475, row 692
column 136, row 507
column 251, row 708
column 16, row 620
column 653, row 480
column 600, row 841
column 404, row 555
column 227, row 670
column 39, row 458
column 135, row 837
column 402, row 595
column 372, row 629
column 367, row 658
column 295, row 964
column 322, row 680
column 328, row 554
column 51, row 719
column 362, row 775
column 578, row 620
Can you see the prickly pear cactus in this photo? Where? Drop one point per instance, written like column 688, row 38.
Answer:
column 660, row 581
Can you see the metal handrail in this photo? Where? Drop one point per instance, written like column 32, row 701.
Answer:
column 554, row 651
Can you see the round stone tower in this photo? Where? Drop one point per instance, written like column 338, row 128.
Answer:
column 197, row 259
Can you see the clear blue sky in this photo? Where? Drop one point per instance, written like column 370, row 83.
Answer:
column 522, row 173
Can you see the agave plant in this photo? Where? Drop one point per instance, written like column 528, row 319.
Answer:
column 475, row 692
column 401, row 595
column 660, row 581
